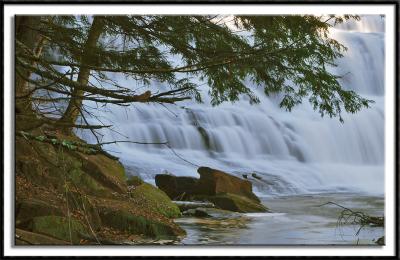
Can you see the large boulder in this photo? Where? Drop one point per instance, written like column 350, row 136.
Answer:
column 177, row 188
column 236, row 203
column 223, row 190
column 213, row 182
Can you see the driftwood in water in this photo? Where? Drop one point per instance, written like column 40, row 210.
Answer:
column 348, row 216
column 185, row 205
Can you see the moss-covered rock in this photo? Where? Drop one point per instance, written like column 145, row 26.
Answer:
column 233, row 202
column 83, row 204
column 110, row 173
column 124, row 220
column 27, row 209
column 156, row 199
column 134, row 181
column 23, row 237
column 54, row 182
column 86, row 183
column 63, row 228
column 45, row 165
column 29, row 161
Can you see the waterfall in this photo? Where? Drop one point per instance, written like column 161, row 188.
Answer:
column 294, row 152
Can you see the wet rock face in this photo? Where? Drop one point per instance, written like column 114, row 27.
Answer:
column 236, row 203
column 225, row 191
column 213, row 182
column 177, row 187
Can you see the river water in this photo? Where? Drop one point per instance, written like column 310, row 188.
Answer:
column 303, row 159
column 294, row 220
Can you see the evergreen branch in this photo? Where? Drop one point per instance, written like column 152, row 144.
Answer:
column 224, row 60
column 104, row 92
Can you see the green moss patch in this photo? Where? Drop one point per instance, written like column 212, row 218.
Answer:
column 84, row 181
column 134, row 181
column 27, row 209
column 110, row 173
column 125, row 221
column 59, row 227
column 155, row 199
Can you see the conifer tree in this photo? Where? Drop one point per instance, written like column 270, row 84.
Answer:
column 288, row 54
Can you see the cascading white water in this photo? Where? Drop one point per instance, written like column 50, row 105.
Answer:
column 294, row 152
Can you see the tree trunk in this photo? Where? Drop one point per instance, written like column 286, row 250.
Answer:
column 26, row 30
column 72, row 112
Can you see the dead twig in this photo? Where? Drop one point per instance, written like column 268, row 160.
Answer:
column 351, row 217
